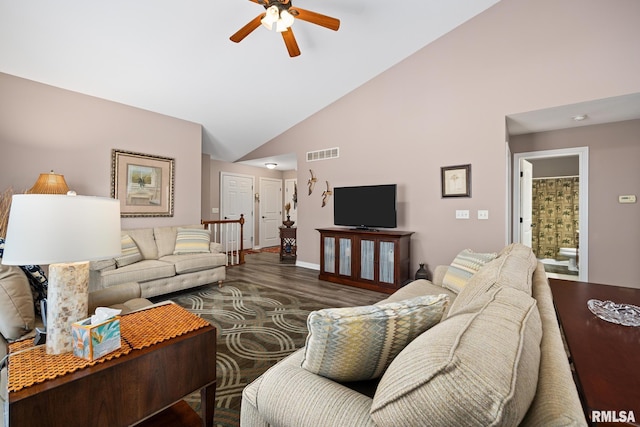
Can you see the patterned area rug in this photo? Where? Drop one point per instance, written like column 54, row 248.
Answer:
column 257, row 326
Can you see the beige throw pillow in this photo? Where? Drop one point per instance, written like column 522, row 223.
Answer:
column 513, row 268
column 477, row 368
column 17, row 315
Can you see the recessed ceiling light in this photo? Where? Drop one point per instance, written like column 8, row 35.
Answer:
column 580, row 117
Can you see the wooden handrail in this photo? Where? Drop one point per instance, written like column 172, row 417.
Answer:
column 234, row 250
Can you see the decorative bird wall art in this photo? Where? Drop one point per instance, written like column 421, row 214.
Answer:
column 326, row 194
column 311, row 183
column 295, row 195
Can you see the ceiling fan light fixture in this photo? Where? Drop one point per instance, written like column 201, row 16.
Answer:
column 285, row 21
column 281, row 13
column 271, row 17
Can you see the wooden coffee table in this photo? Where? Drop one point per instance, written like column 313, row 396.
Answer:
column 128, row 389
column 606, row 356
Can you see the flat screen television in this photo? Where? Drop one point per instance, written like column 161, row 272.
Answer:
column 365, row 207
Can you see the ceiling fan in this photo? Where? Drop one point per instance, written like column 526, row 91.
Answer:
column 281, row 14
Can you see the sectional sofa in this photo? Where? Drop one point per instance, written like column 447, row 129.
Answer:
column 494, row 356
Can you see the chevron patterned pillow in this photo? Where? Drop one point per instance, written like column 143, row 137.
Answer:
column 359, row 343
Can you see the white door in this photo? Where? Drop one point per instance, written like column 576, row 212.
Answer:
column 526, row 202
column 270, row 211
column 236, row 197
column 291, row 197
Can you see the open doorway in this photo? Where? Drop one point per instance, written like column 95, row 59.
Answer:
column 550, row 209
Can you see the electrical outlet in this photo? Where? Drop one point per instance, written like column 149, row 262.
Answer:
column 462, row 214
column 483, row 214
column 215, row 210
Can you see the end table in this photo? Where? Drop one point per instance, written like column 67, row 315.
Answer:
column 288, row 244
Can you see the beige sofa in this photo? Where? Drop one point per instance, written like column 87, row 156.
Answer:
column 495, row 358
column 158, row 270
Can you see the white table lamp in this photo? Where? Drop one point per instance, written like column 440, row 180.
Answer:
column 66, row 232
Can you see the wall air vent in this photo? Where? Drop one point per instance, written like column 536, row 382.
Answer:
column 326, row 154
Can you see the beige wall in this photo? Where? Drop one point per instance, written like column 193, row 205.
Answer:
column 44, row 128
column 614, row 230
column 446, row 105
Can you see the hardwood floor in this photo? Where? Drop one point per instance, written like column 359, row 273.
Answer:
column 265, row 269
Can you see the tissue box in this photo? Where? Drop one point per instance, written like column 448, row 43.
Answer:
column 94, row 341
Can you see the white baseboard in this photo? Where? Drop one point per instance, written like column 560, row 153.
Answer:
column 308, row 265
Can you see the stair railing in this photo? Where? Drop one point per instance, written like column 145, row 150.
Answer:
column 229, row 233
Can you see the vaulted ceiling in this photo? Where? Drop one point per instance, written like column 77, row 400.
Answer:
column 174, row 56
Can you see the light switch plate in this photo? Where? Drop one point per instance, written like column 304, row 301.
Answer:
column 483, row 214
column 462, row 214
column 628, row 198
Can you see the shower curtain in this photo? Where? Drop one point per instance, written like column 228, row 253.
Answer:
column 555, row 215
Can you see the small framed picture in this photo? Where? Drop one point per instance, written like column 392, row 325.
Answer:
column 456, row 181
column 143, row 183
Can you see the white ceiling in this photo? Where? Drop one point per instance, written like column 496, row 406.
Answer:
column 607, row 110
column 175, row 57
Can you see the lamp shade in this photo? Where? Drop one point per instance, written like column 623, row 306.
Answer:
column 49, row 183
column 48, row 229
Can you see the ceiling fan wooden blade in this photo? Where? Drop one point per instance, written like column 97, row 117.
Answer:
column 290, row 41
column 315, row 18
column 247, row 29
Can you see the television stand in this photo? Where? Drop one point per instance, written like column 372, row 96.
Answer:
column 377, row 260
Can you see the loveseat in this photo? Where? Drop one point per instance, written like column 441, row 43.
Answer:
column 161, row 260
column 496, row 357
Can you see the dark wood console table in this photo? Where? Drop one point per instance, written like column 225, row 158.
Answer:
column 126, row 389
column 288, row 244
column 605, row 355
column 376, row 260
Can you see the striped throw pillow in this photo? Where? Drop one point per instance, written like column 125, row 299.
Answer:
column 130, row 252
column 466, row 264
column 192, row 241
column 359, row 343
